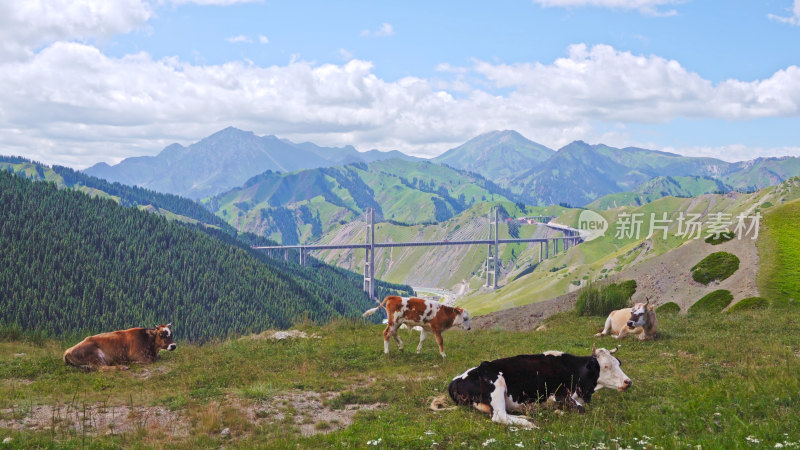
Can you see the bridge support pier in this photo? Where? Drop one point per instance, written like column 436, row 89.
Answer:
column 492, row 260
column 369, row 257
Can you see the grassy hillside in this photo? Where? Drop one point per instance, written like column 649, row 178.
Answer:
column 301, row 206
column 609, row 255
column 762, row 172
column 711, row 380
column 779, row 249
column 171, row 206
column 74, row 263
column 659, row 187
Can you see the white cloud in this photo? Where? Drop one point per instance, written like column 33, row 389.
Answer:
column 794, row 19
column 27, row 25
column 612, row 85
column 263, row 39
column 345, row 54
column 734, row 153
column 649, row 7
column 384, row 30
column 71, row 104
column 210, row 2
column 239, row 39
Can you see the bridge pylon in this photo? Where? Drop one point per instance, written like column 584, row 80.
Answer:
column 369, row 258
column 492, row 258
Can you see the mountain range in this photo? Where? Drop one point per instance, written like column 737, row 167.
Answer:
column 301, row 206
column 225, row 160
column 576, row 174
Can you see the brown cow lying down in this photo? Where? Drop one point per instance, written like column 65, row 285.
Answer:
column 640, row 320
column 107, row 351
column 431, row 316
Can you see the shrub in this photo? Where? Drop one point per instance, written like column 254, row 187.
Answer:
column 750, row 303
column 713, row 302
column 669, row 308
column 719, row 239
column 716, row 266
column 599, row 300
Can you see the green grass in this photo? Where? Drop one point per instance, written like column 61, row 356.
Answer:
column 749, row 303
column 722, row 237
column 779, row 254
column 715, row 267
column 711, row 380
column 600, row 299
column 669, row 308
column 714, row 302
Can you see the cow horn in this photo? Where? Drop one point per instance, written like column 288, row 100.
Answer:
column 169, row 324
column 648, row 301
column 594, row 351
column 614, row 350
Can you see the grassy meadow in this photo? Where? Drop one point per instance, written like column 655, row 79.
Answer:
column 779, row 251
column 716, row 380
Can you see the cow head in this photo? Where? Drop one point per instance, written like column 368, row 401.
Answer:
column 462, row 318
column 639, row 314
column 164, row 340
column 611, row 375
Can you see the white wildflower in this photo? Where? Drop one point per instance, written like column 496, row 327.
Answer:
column 519, row 444
column 489, row 441
column 429, row 432
column 752, row 439
column 375, row 442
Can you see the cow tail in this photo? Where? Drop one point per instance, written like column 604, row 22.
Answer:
column 372, row 311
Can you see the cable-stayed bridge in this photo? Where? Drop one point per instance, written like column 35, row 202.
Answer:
column 570, row 238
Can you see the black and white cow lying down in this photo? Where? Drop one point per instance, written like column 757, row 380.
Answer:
column 513, row 384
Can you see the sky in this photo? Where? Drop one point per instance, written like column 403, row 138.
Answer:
column 88, row 81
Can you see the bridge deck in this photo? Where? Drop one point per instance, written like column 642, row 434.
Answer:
column 409, row 244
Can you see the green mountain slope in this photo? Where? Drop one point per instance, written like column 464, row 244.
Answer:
column 301, row 206
column 580, row 173
column 616, row 252
column 658, row 187
column 497, row 155
column 779, row 251
column 762, row 172
column 74, row 263
column 168, row 205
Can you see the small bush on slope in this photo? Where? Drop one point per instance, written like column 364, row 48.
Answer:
column 715, row 267
column 713, row 302
column 750, row 303
column 669, row 308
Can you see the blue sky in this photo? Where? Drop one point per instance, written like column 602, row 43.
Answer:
column 91, row 81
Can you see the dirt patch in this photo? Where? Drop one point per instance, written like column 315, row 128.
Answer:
column 526, row 317
column 308, row 411
column 279, row 335
column 664, row 278
column 17, row 382
column 93, row 419
column 145, row 374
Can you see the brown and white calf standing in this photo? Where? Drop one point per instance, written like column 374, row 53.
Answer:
column 432, row 316
column 113, row 349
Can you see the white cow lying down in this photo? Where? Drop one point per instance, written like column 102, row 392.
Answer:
column 640, row 320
